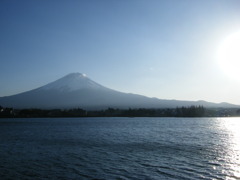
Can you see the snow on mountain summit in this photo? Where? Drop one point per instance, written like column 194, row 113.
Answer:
column 77, row 90
column 72, row 82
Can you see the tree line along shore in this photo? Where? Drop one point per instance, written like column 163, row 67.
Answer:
column 191, row 111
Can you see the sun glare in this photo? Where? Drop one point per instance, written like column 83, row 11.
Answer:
column 228, row 55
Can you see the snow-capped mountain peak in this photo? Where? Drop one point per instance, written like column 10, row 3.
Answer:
column 72, row 82
column 77, row 90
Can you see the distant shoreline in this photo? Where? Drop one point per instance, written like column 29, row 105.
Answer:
column 191, row 111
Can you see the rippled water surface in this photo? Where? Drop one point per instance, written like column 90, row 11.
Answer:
column 120, row 148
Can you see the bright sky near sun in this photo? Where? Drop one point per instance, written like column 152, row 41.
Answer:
column 172, row 49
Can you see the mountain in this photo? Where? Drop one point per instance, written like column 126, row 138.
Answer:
column 77, row 90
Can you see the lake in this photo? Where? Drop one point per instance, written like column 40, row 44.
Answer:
column 120, row 148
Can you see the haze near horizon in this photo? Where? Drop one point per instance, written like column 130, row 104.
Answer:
column 184, row 50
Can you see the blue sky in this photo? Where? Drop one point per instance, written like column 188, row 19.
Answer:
column 164, row 49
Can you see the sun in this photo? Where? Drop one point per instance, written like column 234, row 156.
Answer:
column 228, row 55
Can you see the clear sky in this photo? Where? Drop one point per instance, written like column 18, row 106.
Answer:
column 165, row 49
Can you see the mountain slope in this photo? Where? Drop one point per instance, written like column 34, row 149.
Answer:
column 77, row 90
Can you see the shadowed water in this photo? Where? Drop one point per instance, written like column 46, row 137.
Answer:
column 120, row 148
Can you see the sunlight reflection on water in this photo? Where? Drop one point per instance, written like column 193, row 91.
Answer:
column 120, row 148
column 232, row 128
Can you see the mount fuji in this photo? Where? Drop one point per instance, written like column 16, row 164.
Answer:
column 77, row 90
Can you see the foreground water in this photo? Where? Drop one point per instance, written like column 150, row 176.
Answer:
column 120, row 148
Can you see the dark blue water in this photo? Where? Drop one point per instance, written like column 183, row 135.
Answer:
column 120, row 148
